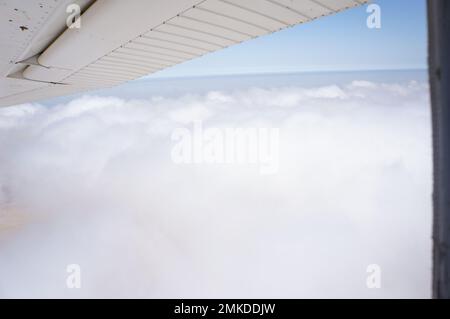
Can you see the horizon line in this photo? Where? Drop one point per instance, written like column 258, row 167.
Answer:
column 152, row 77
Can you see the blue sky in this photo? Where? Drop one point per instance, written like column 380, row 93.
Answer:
column 338, row 42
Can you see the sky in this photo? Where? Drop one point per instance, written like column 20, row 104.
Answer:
column 337, row 42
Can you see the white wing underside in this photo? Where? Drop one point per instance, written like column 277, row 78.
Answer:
column 120, row 40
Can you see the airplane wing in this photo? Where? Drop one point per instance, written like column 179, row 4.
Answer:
column 115, row 41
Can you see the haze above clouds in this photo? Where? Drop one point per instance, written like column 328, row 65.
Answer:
column 91, row 182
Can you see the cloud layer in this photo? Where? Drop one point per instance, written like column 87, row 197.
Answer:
column 91, row 182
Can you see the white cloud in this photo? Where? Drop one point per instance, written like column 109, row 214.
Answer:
column 91, row 182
